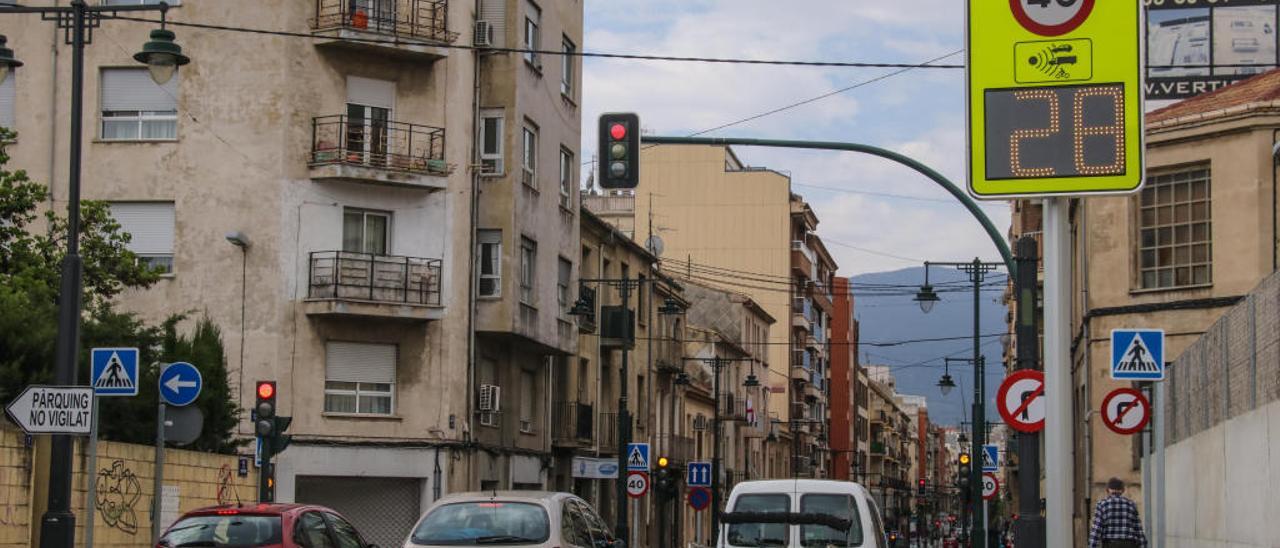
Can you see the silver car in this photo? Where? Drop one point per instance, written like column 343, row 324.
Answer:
column 512, row 518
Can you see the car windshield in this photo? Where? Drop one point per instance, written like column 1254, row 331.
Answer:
column 838, row 506
column 223, row 530
column 760, row 534
column 476, row 523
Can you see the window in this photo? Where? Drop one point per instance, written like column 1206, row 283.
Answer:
column 491, row 139
column 359, row 378
column 488, row 375
column 563, row 294
column 760, row 534
column 369, row 105
column 529, row 158
column 135, row 108
column 531, row 21
column 528, row 269
column 8, row 88
column 312, row 529
column 566, row 66
column 490, row 252
column 839, row 506
column 527, row 401
column 1175, row 230
column 150, row 227
column 365, row 231
column 345, row 535
column 566, row 178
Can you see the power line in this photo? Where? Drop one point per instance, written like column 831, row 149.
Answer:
column 878, row 344
column 689, row 263
column 584, row 54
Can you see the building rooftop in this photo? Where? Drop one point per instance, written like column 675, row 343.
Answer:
column 1263, row 88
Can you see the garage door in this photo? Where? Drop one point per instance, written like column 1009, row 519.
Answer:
column 383, row 509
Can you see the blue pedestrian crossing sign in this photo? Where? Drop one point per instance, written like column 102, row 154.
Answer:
column 990, row 458
column 1137, row 354
column 638, row 457
column 114, row 371
column 180, row 383
column 699, row 474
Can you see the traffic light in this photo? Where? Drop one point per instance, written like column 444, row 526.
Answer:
column 270, row 428
column 962, row 476
column 920, row 489
column 666, row 479
column 619, row 150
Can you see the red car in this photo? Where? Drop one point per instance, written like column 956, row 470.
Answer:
column 262, row 525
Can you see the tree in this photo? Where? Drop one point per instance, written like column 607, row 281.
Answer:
column 30, row 271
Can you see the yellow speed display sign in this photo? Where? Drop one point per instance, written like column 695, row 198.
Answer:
column 1054, row 97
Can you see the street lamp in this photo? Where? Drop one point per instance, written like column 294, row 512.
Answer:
column 77, row 20
column 946, row 384
column 7, row 62
column 926, row 297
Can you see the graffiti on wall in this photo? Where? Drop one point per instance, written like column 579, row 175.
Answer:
column 226, row 489
column 118, row 492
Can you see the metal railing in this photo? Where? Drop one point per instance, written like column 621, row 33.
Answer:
column 378, row 278
column 421, row 19
column 572, row 421
column 608, row 432
column 586, row 314
column 378, row 144
column 676, row 447
column 732, row 408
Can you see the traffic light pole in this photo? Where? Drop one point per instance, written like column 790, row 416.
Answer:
column 1029, row 528
column 621, row 529
column 265, row 472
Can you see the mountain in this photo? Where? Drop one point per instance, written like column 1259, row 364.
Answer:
column 892, row 324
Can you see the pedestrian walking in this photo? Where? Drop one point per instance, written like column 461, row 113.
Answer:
column 1116, row 523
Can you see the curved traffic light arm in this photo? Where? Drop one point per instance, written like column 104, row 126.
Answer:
column 996, row 237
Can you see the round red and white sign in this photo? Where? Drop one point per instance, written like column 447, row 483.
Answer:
column 1126, row 411
column 1020, row 401
column 990, row 486
column 637, row 484
column 1051, row 17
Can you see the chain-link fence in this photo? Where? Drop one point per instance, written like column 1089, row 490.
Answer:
column 1232, row 369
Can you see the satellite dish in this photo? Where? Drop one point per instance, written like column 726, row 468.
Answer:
column 655, row 245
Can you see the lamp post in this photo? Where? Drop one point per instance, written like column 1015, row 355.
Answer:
column 163, row 57
column 717, row 364
column 927, row 297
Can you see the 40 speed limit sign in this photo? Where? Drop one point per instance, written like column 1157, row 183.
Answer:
column 637, row 484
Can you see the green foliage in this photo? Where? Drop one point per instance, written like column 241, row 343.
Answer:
column 30, row 271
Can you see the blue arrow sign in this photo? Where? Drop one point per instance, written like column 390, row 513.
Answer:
column 114, row 371
column 990, row 458
column 1137, row 354
column 180, row 383
column 699, row 474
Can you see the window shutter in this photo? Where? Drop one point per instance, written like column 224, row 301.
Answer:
column 360, row 362
column 133, row 89
column 149, row 223
column 370, row 92
column 495, row 12
column 7, row 90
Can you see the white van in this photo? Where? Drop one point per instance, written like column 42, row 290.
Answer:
column 801, row 513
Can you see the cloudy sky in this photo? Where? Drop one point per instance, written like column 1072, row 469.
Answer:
column 875, row 215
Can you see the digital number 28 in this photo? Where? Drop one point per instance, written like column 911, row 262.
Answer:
column 1080, row 131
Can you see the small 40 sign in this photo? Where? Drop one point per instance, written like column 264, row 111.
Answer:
column 637, row 484
column 1051, row 17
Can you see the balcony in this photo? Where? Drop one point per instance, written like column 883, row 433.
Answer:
column 607, row 438
column 585, row 309
column 732, row 408
column 676, row 447
column 572, row 424
column 801, row 366
column 344, row 283
column 821, row 294
column 802, row 259
column 877, row 449
column 380, row 152
column 407, row 29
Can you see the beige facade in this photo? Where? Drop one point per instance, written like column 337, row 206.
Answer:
column 352, row 169
column 1176, row 256
column 891, row 449
column 765, row 233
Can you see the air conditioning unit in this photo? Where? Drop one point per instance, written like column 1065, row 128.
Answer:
column 483, row 35
column 700, row 423
column 490, row 398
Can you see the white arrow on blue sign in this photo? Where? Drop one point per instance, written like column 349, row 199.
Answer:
column 1137, row 354
column 699, row 474
column 990, row 458
column 114, row 371
column 180, row 384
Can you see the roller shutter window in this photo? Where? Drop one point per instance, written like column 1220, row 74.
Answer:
column 360, row 378
column 8, row 88
column 383, row 510
column 135, row 108
column 495, row 13
column 150, row 226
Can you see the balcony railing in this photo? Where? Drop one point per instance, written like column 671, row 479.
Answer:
column 378, row 144
column 376, row 278
column 608, row 436
column 676, row 447
column 585, row 309
column 420, row 19
column 572, row 422
column 732, row 408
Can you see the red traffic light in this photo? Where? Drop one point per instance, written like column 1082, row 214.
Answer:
column 618, row 131
column 266, row 390
column 921, row 483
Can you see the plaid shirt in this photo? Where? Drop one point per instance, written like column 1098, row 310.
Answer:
column 1116, row 518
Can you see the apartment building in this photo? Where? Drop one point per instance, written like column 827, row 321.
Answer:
column 1198, row 237
column 890, row 465
column 761, row 244
column 347, row 165
column 847, row 415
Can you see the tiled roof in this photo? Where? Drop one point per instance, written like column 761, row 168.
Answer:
column 1264, row 87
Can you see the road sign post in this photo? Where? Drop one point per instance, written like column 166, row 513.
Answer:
column 114, row 372
column 699, row 498
column 990, row 457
